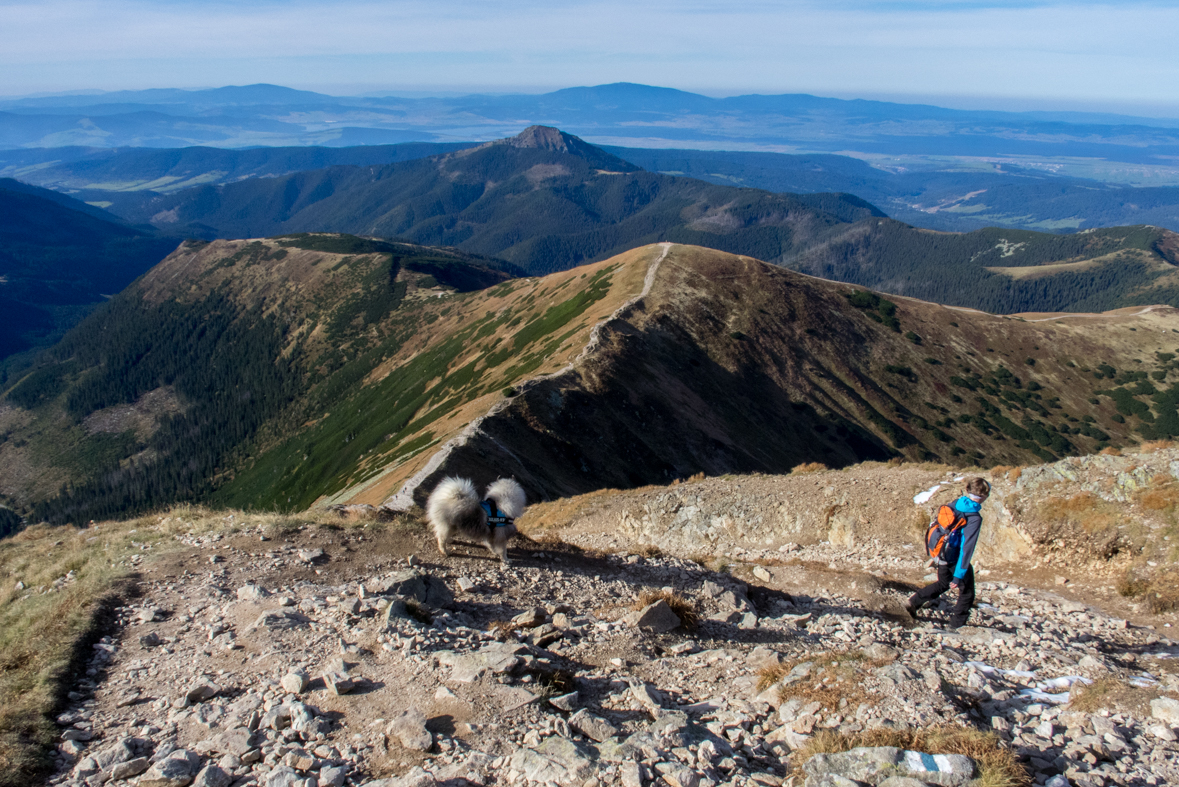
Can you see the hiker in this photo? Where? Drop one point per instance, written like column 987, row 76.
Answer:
column 954, row 552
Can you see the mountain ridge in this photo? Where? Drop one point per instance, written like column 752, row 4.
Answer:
column 546, row 200
column 314, row 381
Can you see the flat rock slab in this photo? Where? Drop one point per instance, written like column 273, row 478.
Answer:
column 555, row 761
column 512, row 697
column 875, row 765
column 1165, row 709
column 278, row 620
column 413, row 584
column 237, row 741
column 591, row 726
column 499, row 657
column 409, row 727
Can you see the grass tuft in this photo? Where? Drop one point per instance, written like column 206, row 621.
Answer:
column 808, row 467
column 996, row 762
column 683, row 607
column 1113, row 694
column 1160, row 593
column 648, row 551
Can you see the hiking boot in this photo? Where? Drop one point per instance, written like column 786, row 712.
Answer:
column 912, row 609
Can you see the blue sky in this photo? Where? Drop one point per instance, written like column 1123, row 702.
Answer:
column 1017, row 55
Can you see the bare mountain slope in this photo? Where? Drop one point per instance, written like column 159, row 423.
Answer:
column 327, row 369
column 729, row 365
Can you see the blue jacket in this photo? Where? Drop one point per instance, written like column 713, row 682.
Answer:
column 960, row 546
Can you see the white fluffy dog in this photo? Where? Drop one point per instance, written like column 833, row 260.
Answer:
column 455, row 509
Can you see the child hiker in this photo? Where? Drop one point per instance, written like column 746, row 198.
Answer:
column 955, row 552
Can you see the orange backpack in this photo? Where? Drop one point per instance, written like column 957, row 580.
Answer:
column 947, row 522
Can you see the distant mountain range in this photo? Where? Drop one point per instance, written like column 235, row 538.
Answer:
column 945, row 197
column 283, row 373
column 546, row 201
column 543, row 201
column 607, row 114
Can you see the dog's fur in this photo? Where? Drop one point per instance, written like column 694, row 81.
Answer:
column 454, row 509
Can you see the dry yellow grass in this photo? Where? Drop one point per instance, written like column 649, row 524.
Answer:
column 1113, row 694
column 684, row 609
column 1160, row 593
column 1084, row 509
column 997, row 764
column 1012, row 474
column 808, row 467
column 834, row 678
column 648, row 551
column 1163, row 494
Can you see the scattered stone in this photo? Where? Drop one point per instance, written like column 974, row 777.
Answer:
column 592, row 726
column 200, row 691
column 657, row 618
column 409, row 727
column 530, row 618
column 1166, row 710
column 338, row 682
column 295, row 681
column 212, row 776
column 251, row 592
column 125, row 770
column 177, row 769
column 565, row 702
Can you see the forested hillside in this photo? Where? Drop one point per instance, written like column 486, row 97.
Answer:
column 59, row 257
column 1005, row 271
column 547, row 201
column 543, row 200
column 949, row 197
column 177, row 385
column 286, row 372
column 104, row 173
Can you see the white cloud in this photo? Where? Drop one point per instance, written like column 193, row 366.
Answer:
column 1076, row 50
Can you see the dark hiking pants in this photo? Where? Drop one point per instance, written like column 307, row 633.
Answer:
column 945, row 575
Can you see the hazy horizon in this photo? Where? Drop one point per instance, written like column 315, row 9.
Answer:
column 1013, row 55
column 961, row 102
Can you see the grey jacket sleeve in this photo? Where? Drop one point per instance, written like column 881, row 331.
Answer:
column 969, row 541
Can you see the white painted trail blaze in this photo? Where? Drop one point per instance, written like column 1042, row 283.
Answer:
column 920, row 762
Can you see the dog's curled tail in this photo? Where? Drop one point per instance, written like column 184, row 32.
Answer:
column 508, row 496
column 452, row 500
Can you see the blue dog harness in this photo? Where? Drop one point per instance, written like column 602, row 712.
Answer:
column 495, row 517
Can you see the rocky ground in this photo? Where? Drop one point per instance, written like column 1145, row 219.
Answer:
column 323, row 656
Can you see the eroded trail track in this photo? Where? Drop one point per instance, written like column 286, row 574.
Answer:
column 351, row 654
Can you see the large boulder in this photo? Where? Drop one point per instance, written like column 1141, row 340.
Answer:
column 557, row 761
